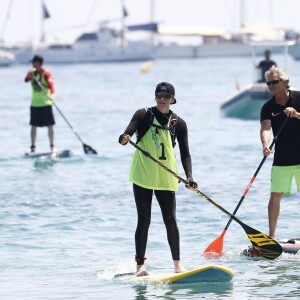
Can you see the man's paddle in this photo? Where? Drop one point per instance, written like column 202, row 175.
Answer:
column 268, row 247
column 86, row 148
column 217, row 245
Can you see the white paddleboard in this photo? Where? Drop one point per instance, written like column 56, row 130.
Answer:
column 291, row 246
column 59, row 154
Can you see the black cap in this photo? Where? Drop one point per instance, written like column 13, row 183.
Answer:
column 38, row 58
column 166, row 87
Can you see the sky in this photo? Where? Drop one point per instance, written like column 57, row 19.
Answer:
column 20, row 20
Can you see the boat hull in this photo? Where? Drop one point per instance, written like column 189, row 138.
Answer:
column 87, row 53
column 247, row 103
column 294, row 51
column 211, row 50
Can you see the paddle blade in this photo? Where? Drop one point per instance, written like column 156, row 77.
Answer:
column 216, row 247
column 261, row 242
column 88, row 149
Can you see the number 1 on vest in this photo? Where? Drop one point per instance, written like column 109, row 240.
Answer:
column 163, row 154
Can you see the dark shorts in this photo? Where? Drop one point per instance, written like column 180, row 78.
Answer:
column 41, row 116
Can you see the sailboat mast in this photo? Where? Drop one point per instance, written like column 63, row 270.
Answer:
column 5, row 22
column 44, row 15
column 42, row 23
column 242, row 13
column 152, row 8
column 124, row 15
column 271, row 12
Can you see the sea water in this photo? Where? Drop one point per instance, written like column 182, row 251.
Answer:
column 67, row 225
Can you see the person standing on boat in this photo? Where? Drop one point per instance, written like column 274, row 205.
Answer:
column 265, row 65
column 41, row 114
column 156, row 129
column 286, row 163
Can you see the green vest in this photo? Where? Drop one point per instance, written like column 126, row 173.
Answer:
column 148, row 174
column 39, row 98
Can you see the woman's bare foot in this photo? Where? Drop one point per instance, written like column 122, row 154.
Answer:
column 141, row 270
column 178, row 267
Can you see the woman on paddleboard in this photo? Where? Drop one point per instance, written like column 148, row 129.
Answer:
column 156, row 129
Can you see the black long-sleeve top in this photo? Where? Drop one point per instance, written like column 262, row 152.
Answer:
column 140, row 123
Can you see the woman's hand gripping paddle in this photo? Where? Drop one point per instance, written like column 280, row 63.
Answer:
column 217, row 245
column 268, row 247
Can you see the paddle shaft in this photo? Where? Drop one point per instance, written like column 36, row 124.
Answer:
column 85, row 147
column 255, row 174
column 45, row 92
column 74, row 131
column 186, row 182
column 269, row 248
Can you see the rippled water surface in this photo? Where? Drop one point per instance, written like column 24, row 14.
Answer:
column 67, row 225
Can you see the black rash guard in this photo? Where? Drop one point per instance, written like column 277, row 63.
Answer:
column 287, row 147
column 140, row 123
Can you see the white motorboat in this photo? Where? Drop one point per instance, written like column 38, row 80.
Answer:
column 247, row 103
column 294, row 51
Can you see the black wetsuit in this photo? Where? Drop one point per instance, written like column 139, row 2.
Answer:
column 140, row 124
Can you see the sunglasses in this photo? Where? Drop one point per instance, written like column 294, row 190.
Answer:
column 272, row 82
column 163, row 95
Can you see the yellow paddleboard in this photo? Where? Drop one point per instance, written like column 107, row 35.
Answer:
column 203, row 274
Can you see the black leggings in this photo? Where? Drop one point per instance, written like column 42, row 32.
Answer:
column 167, row 203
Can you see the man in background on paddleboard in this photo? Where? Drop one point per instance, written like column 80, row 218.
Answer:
column 265, row 65
column 286, row 164
column 156, row 129
column 41, row 104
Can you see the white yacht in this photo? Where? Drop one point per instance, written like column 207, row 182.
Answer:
column 107, row 43
column 104, row 45
column 215, row 42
